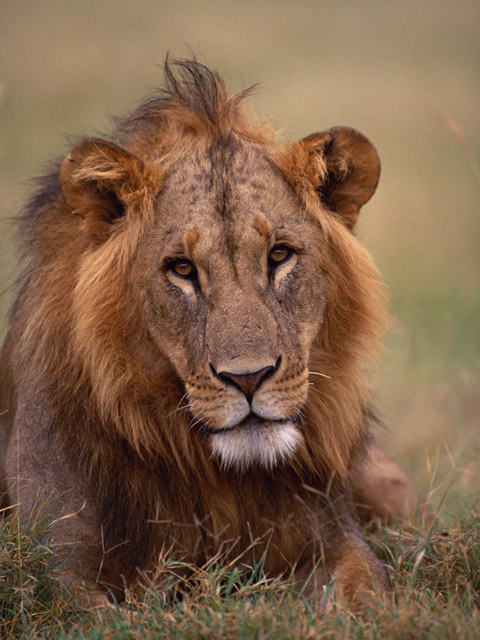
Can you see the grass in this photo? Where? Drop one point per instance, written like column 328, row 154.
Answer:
column 433, row 571
column 31, row 600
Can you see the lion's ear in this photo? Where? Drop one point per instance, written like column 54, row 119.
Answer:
column 99, row 180
column 344, row 167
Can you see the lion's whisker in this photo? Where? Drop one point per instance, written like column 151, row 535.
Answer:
column 179, row 408
column 317, row 373
column 194, row 423
column 321, row 393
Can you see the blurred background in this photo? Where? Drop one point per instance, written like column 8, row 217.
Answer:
column 407, row 74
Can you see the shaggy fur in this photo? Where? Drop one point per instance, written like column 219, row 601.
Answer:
column 129, row 412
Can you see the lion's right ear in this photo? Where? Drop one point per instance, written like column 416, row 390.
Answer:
column 100, row 180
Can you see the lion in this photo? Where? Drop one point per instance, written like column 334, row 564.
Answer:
column 184, row 371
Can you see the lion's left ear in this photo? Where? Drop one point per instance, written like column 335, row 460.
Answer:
column 344, row 168
column 100, row 180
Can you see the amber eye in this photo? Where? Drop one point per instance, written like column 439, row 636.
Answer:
column 184, row 269
column 279, row 254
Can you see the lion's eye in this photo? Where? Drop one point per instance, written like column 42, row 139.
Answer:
column 184, row 269
column 279, row 254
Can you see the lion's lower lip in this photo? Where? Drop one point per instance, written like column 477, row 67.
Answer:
column 250, row 422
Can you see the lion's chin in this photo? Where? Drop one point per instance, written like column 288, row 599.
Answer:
column 256, row 442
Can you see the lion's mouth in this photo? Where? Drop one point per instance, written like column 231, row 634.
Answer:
column 251, row 422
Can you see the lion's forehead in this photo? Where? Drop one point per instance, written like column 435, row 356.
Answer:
column 227, row 196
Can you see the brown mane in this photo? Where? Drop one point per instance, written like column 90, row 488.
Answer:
column 119, row 415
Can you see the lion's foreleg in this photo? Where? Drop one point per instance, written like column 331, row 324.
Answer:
column 358, row 578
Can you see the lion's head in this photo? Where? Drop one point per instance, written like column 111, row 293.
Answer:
column 209, row 289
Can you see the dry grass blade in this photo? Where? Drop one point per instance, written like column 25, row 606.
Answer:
column 450, row 123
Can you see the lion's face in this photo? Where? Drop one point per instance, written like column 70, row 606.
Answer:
column 233, row 264
column 233, row 298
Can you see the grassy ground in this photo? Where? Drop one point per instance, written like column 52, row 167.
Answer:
column 406, row 75
column 433, row 570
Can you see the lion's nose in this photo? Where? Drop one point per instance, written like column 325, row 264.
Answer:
column 247, row 382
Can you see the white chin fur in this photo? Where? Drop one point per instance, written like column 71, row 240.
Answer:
column 265, row 444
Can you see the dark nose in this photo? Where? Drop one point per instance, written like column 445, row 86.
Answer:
column 247, row 382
